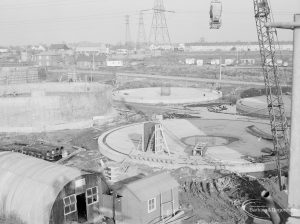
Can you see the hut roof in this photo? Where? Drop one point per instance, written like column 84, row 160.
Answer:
column 150, row 186
column 30, row 186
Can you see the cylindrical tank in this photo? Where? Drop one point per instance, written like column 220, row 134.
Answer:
column 48, row 106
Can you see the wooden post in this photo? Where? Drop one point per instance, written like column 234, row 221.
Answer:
column 161, row 208
column 173, row 210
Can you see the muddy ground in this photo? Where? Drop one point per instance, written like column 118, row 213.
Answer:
column 216, row 197
column 206, row 196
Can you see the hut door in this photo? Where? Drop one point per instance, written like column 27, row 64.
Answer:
column 81, row 208
column 167, row 203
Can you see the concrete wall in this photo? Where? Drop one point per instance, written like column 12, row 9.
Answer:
column 50, row 104
column 257, row 106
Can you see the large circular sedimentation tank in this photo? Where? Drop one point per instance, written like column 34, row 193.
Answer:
column 167, row 95
column 52, row 106
column 257, row 106
column 230, row 144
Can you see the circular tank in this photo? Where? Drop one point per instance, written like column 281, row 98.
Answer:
column 52, row 106
column 257, row 106
column 167, row 95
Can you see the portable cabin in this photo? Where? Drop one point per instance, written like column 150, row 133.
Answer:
column 215, row 62
column 146, row 199
column 39, row 192
column 215, row 14
column 199, row 62
column 247, row 61
column 229, row 61
column 115, row 63
column 190, row 61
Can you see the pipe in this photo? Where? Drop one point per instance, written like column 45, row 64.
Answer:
column 284, row 25
column 294, row 167
column 275, row 218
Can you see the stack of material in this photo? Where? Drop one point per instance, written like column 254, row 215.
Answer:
column 15, row 75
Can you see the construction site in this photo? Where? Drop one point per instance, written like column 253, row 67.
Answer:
column 151, row 132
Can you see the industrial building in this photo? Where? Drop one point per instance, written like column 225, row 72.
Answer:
column 40, row 192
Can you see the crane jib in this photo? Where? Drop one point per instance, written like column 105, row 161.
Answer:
column 278, row 121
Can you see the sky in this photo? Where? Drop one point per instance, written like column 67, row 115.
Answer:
column 25, row 22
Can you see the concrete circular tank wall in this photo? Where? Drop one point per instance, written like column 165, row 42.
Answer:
column 167, row 95
column 52, row 106
column 257, row 106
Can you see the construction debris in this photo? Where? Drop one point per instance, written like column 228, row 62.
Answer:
column 215, row 197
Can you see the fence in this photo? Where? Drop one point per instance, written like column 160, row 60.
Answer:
column 18, row 75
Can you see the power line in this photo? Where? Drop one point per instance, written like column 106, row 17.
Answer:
column 68, row 3
column 65, row 19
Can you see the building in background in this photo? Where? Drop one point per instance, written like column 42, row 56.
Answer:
column 25, row 57
column 231, row 46
column 62, row 49
column 59, row 47
column 92, row 50
column 247, row 61
column 3, row 50
column 114, row 63
column 199, row 62
column 90, row 62
column 229, row 61
column 190, row 61
column 48, row 59
column 215, row 61
column 38, row 48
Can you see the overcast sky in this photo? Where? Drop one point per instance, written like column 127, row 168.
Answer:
column 55, row 21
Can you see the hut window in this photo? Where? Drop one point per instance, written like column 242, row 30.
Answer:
column 70, row 204
column 92, row 195
column 151, row 205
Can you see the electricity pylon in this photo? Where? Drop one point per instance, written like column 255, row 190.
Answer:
column 159, row 34
column 141, row 39
column 127, row 32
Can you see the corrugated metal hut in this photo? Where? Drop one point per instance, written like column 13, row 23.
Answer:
column 146, row 200
column 40, row 192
